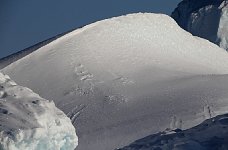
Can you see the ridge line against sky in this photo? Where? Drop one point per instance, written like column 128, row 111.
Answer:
column 26, row 23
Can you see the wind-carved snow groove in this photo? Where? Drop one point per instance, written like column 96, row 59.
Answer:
column 82, row 73
column 84, row 82
column 75, row 113
column 111, row 99
column 85, row 77
column 208, row 112
column 176, row 123
column 114, row 95
column 124, row 80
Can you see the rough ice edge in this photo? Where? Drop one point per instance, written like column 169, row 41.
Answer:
column 198, row 17
column 30, row 122
column 196, row 49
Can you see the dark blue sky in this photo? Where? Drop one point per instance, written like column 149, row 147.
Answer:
column 27, row 22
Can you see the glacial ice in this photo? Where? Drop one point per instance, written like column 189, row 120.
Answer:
column 123, row 78
column 205, row 18
column 29, row 122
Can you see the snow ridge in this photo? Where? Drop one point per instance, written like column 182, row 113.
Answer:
column 136, row 71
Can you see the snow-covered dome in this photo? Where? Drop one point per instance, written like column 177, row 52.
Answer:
column 122, row 78
column 29, row 122
column 204, row 18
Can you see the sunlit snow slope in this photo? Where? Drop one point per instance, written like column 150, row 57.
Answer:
column 204, row 18
column 28, row 122
column 124, row 78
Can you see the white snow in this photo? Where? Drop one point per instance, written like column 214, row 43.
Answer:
column 208, row 21
column 126, row 73
column 210, row 135
column 28, row 122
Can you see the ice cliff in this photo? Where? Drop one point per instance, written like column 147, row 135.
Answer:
column 205, row 18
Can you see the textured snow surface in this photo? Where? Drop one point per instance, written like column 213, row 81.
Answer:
column 212, row 134
column 205, row 18
column 124, row 78
column 28, row 122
